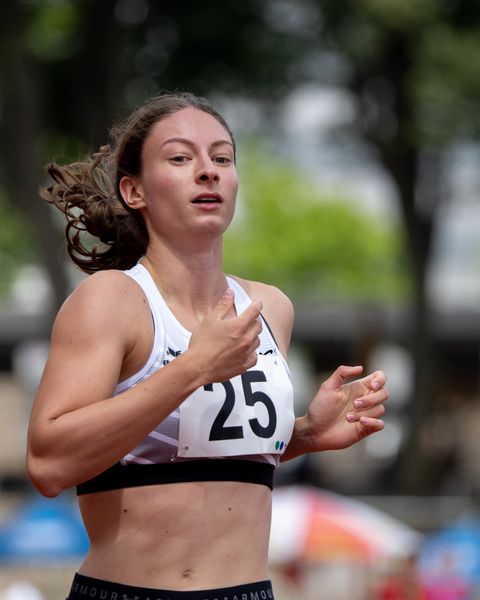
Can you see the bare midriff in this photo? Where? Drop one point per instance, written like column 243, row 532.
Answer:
column 181, row 536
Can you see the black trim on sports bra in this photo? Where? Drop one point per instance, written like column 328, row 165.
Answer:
column 227, row 469
column 269, row 329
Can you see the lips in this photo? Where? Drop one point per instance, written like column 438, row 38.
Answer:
column 207, row 199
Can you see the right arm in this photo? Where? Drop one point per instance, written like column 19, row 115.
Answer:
column 77, row 427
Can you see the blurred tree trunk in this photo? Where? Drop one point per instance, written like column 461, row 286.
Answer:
column 98, row 73
column 417, row 178
column 82, row 94
column 20, row 140
column 413, row 465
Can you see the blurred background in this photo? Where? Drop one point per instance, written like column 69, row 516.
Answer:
column 358, row 131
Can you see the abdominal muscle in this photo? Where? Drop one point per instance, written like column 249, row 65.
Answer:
column 181, row 536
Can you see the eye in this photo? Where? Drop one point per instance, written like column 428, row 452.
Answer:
column 179, row 158
column 222, row 160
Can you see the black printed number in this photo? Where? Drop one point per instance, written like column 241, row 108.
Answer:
column 252, row 398
column 220, row 431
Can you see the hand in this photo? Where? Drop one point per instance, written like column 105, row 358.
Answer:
column 342, row 413
column 226, row 346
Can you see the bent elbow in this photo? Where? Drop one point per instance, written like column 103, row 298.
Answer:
column 43, row 477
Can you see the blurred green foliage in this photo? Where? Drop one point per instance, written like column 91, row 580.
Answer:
column 291, row 234
column 447, row 85
column 414, row 64
column 16, row 248
column 53, row 32
column 287, row 232
column 411, row 67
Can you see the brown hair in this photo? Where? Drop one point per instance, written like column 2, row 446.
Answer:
column 87, row 191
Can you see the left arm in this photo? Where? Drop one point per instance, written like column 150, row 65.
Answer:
column 342, row 412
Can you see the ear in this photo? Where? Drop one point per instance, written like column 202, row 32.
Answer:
column 132, row 192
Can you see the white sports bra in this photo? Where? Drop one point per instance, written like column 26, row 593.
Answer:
column 235, row 430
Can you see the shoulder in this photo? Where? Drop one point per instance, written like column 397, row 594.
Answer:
column 99, row 304
column 274, row 299
column 277, row 309
column 105, row 289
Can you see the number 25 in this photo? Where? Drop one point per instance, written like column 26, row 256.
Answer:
column 220, row 431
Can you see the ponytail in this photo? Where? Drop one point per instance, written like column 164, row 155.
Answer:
column 102, row 232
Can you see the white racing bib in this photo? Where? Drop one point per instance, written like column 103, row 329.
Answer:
column 249, row 414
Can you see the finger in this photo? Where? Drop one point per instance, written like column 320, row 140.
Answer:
column 371, row 399
column 376, row 380
column 374, row 412
column 251, row 360
column 252, row 311
column 340, row 375
column 371, row 425
column 224, row 305
column 255, row 344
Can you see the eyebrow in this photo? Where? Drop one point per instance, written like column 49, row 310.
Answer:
column 180, row 140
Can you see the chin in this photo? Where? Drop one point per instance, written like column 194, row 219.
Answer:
column 212, row 224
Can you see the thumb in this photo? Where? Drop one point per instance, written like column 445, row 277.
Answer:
column 223, row 306
column 340, row 375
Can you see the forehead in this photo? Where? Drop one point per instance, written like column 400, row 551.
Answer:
column 188, row 123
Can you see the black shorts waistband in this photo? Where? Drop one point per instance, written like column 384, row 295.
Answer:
column 89, row 587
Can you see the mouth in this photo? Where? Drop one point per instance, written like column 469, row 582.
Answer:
column 207, row 199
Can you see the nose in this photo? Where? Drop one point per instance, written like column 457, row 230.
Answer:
column 207, row 173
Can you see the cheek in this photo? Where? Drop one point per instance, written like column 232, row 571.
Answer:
column 161, row 189
column 232, row 206
column 233, row 183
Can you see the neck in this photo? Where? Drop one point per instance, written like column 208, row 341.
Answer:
column 191, row 282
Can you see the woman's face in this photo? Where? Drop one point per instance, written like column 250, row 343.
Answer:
column 189, row 182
